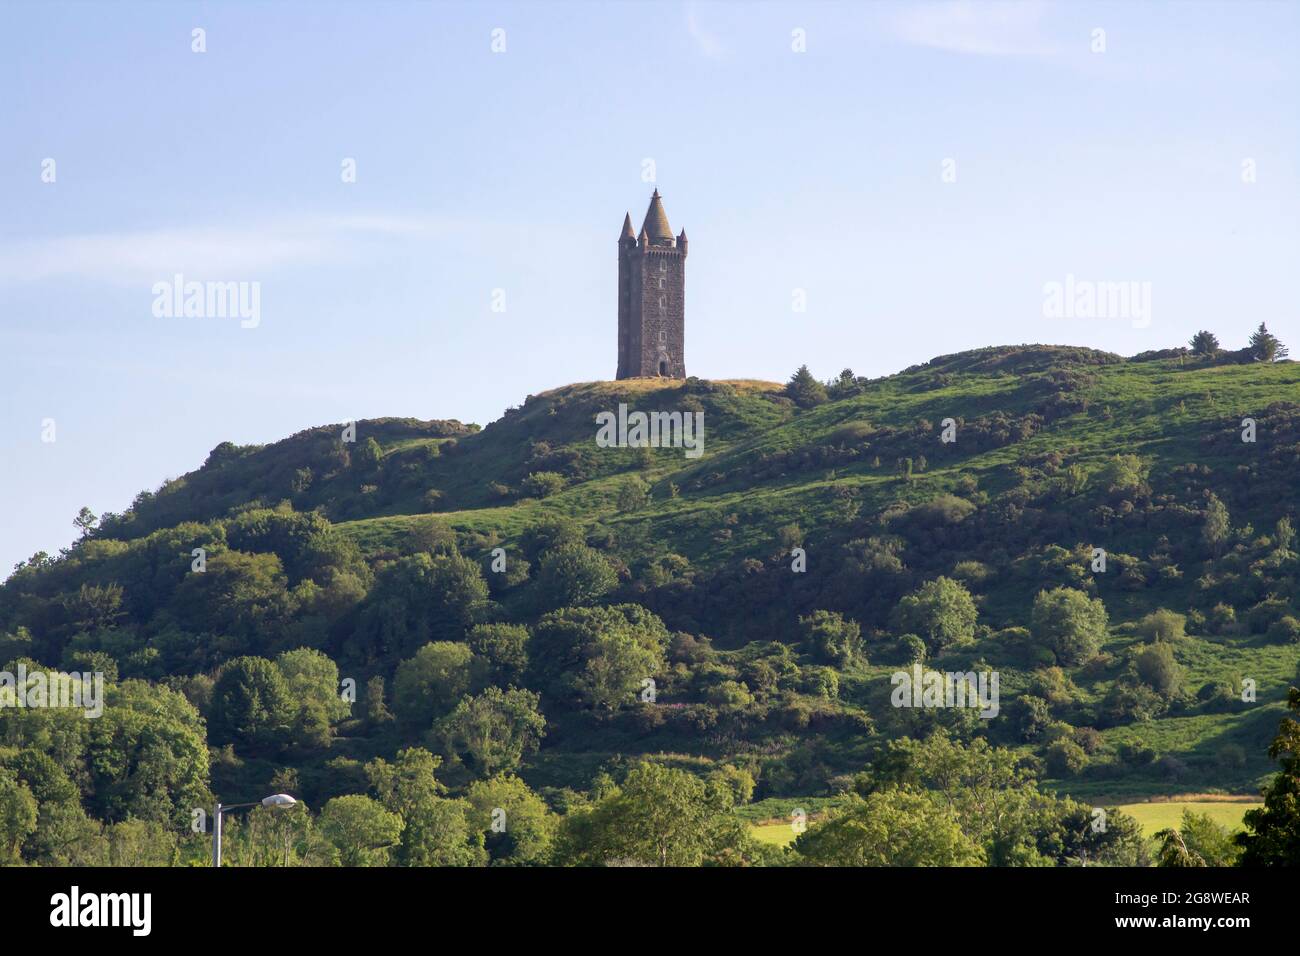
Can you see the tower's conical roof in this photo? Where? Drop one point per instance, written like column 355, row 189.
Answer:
column 627, row 232
column 656, row 220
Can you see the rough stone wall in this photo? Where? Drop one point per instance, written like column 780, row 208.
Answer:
column 652, row 328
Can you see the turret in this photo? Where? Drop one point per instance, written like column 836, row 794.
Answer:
column 656, row 222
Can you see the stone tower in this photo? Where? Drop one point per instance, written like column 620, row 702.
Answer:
column 651, row 297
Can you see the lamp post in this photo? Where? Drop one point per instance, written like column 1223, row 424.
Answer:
column 275, row 801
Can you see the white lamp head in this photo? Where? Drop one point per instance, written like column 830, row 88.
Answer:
column 279, row 800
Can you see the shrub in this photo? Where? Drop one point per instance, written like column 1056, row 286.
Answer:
column 941, row 611
column 1231, row 757
column 804, row 390
column 911, row 649
column 1223, row 619
column 833, row 638
column 1070, row 623
column 1285, row 630
column 1126, row 702
column 1158, row 669
column 1264, row 614
column 1162, row 625
column 1065, row 758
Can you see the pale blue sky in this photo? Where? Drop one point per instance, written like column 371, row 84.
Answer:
column 818, row 171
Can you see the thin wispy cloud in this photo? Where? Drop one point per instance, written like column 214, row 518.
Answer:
column 130, row 257
column 978, row 29
column 705, row 42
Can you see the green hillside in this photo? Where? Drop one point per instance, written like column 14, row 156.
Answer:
column 628, row 564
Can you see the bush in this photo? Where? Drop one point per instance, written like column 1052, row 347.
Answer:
column 1162, row 625
column 1070, row 623
column 1223, row 619
column 1065, row 758
column 911, row 649
column 1218, row 694
column 1266, row 613
column 1033, row 716
column 574, row 575
column 1285, row 630
column 820, row 682
column 542, row 484
column 941, row 611
column 832, row 638
column 1158, row 669
column 1126, row 702
column 1090, row 739
column 1231, row 757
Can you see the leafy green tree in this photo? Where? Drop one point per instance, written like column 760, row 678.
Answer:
column 660, row 816
column 368, row 455
column 135, row 843
column 518, row 828
column 308, row 546
column 360, row 830
column 313, row 683
column 1272, row 835
column 1064, row 758
column 435, row 830
column 1069, row 623
column 1076, row 839
column 597, row 656
column 147, row 755
column 941, row 611
column 991, row 791
column 93, row 607
column 804, row 390
column 1158, row 669
column 574, row 575
column 1198, row 842
column 85, row 521
column 1218, row 526
column 377, row 712
column 504, row 647
column 1265, row 346
column 433, row 536
column 1033, row 716
column 271, row 836
column 429, row 684
column 550, row 534
column 895, row 827
column 633, row 493
column 844, row 385
column 543, row 484
column 18, row 815
column 832, row 637
column 421, row 598
column 1204, row 343
column 61, row 824
column 1163, row 625
column 252, row 705
column 495, row 729
column 242, row 597
column 1283, row 535
column 1124, row 474
column 1174, row 851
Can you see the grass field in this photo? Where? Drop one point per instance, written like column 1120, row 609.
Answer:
column 777, row 834
column 1152, row 817
column 1157, row 816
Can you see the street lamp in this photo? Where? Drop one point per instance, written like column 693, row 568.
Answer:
column 275, row 801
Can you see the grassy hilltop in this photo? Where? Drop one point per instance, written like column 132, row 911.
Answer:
column 368, row 551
